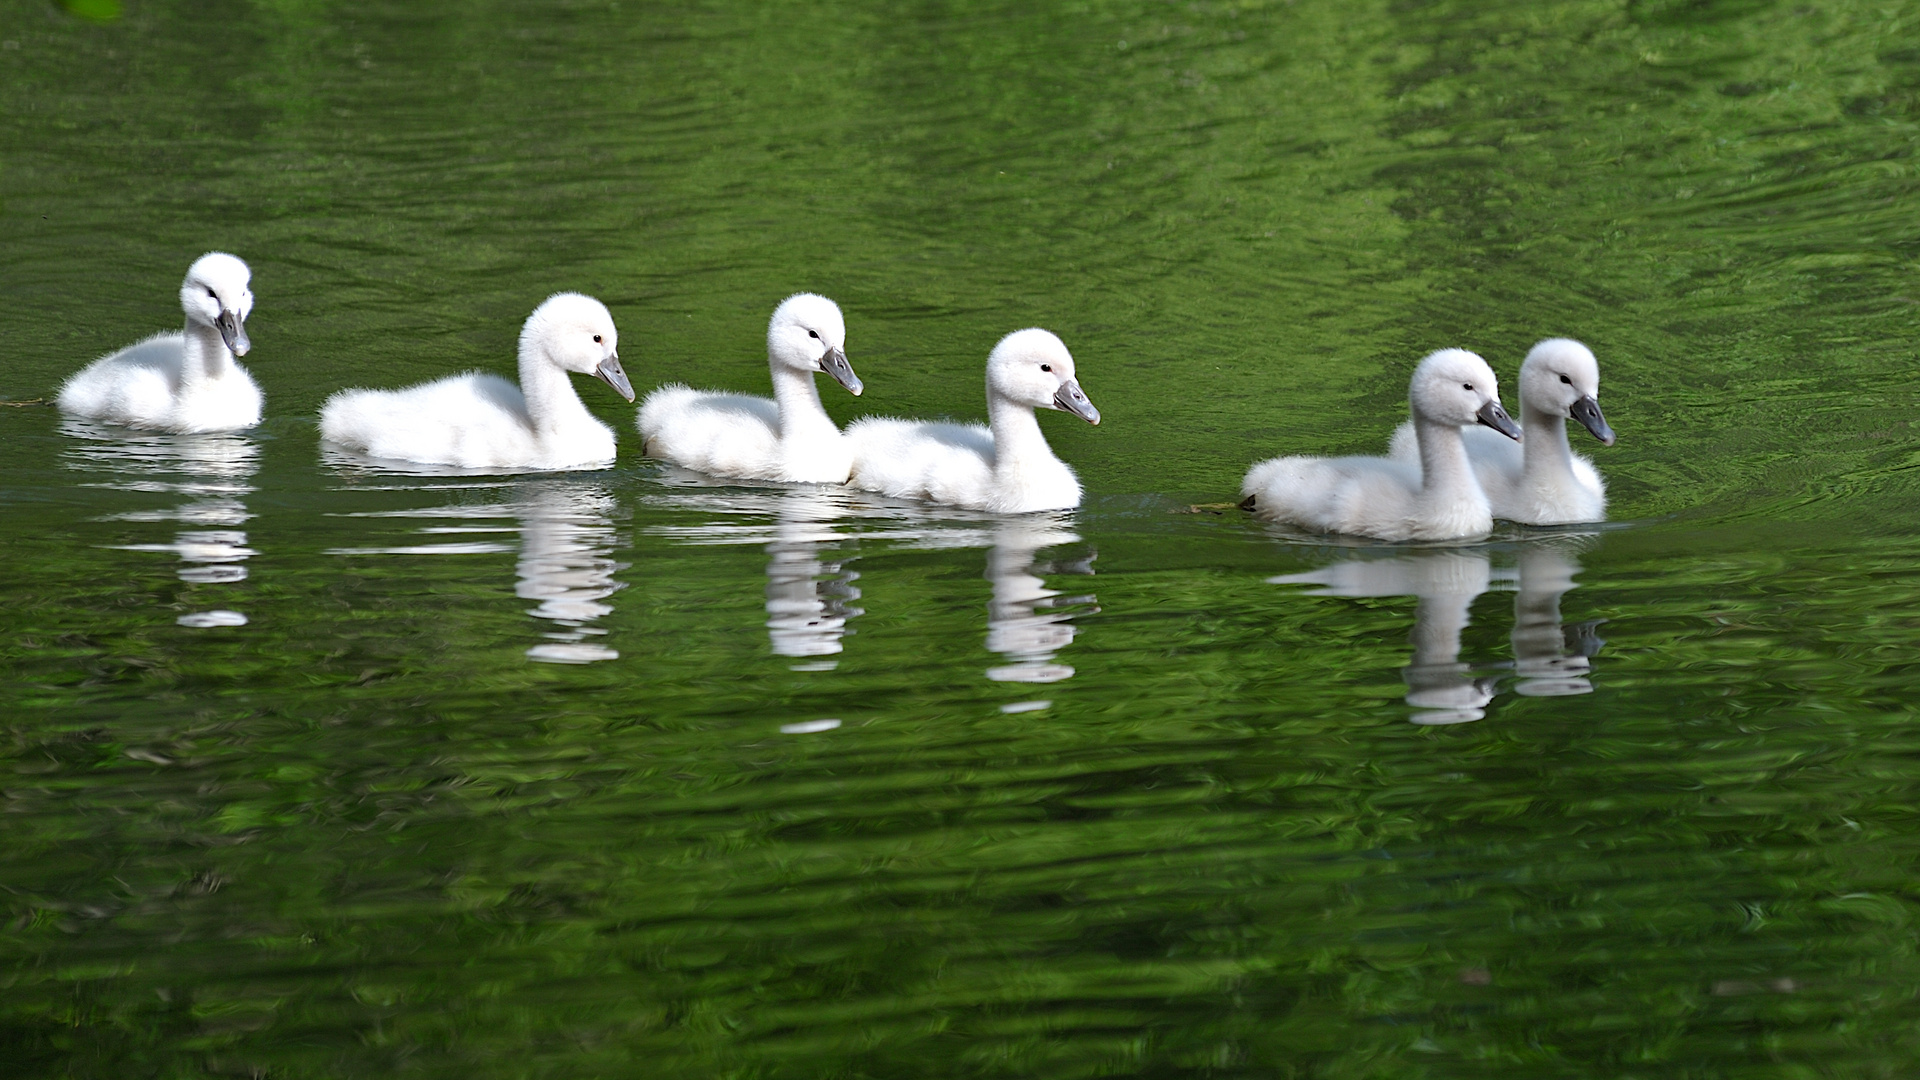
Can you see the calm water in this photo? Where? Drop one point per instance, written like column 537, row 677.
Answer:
column 313, row 770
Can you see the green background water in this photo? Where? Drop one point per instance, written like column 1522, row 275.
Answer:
column 370, row 833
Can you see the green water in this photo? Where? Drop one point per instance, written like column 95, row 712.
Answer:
column 537, row 776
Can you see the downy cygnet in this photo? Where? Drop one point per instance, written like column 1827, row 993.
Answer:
column 1005, row 467
column 184, row 381
column 480, row 421
column 789, row 437
column 1433, row 498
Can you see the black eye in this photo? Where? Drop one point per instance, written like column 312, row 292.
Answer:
column 1468, row 385
column 1566, row 380
column 596, row 339
column 814, row 335
column 1046, row 367
column 213, row 294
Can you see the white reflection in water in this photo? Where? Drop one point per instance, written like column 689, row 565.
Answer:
column 566, row 543
column 810, row 591
column 566, row 563
column 808, row 596
column 211, row 472
column 1440, row 688
column 808, row 530
column 201, row 620
column 1026, row 621
column 1549, row 659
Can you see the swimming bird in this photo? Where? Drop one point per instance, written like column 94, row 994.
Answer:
column 1006, row 467
column 480, row 421
column 180, row 382
column 789, row 437
column 1540, row 481
column 1435, row 498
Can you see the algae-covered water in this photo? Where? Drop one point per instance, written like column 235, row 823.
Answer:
column 309, row 769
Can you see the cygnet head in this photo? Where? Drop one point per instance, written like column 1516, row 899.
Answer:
column 1454, row 386
column 576, row 333
column 1034, row 368
column 1561, row 378
column 217, row 293
column 808, row 334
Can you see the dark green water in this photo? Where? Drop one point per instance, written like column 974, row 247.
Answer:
column 534, row 776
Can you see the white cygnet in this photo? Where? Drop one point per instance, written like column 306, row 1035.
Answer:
column 1005, row 467
column 1540, row 481
column 790, row 437
column 1434, row 498
column 181, row 382
column 480, row 421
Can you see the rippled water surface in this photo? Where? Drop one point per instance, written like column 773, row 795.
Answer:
column 313, row 769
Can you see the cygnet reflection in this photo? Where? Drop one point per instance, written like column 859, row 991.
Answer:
column 565, row 553
column 1551, row 660
column 808, row 532
column 808, row 596
column 1440, row 688
column 566, row 563
column 211, row 472
column 810, row 591
column 1027, row 622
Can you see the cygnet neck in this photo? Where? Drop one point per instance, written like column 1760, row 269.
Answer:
column 801, row 414
column 1017, row 439
column 552, row 404
column 1544, row 449
column 207, row 357
column 1444, row 469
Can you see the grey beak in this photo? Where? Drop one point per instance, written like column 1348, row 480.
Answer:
column 1587, row 411
column 835, row 364
column 233, row 332
column 611, row 373
column 1070, row 398
column 1495, row 417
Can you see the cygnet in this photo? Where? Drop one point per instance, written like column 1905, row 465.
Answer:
column 789, row 437
column 479, row 421
column 1433, row 498
column 1540, row 481
column 180, row 382
column 1006, row 467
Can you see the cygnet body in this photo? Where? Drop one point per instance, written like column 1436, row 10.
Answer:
column 1540, row 480
column 181, row 382
column 1005, row 467
column 789, row 437
column 480, row 421
column 1433, row 498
